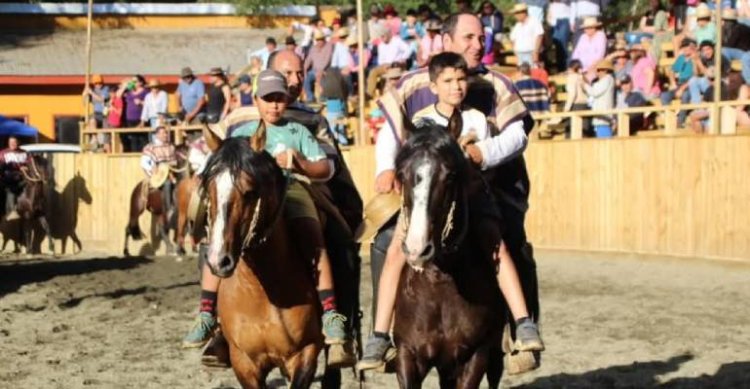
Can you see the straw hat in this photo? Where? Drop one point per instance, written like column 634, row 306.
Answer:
column 318, row 35
column 351, row 41
column 343, row 32
column 97, row 79
column 520, row 7
column 216, row 72
column 590, row 22
column 703, row 12
column 393, row 73
column 153, row 83
column 605, row 64
column 186, row 72
column 160, row 176
column 729, row 14
column 378, row 211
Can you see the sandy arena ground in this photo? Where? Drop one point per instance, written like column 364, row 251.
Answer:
column 609, row 321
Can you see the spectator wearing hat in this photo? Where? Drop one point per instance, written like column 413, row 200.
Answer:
column 627, row 97
column 526, row 35
column 534, row 92
column 340, row 58
column 154, row 105
column 431, row 43
column 704, row 73
column 579, row 11
column 191, row 97
column 703, row 30
column 591, row 46
column 244, row 95
column 265, row 52
column 643, row 72
column 682, row 71
column 354, row 62
column 392, row 51
column 219, row 96
column 391, row 19
column 558, row 17
column 317, row 61
column 335, row 26
column 291, row 44
column 99, row 97
column 602, row 97
column 620, row 60
column 736, row 42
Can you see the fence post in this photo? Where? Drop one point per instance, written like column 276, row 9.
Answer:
column 576, row 127
column 713, row 115
column 623, row 124
column 670, row 121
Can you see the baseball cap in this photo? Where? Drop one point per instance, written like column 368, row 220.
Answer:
column 244, row 78
column 269, row 82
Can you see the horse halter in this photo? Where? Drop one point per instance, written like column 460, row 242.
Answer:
column 450, row 223
column 254, row 239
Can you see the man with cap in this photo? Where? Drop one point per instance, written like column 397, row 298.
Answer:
column 263, row 53
column 154, row 105
column 191, row 97
column 99, row 96
column 736, row 41
column 291, row 44
column 318, row 59
column 244, row 95
column 682, row 70
column 494, row 95
column 628, row 97
column 526, row 35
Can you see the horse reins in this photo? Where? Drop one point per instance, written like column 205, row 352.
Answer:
column 251, row 238
column 35, row 171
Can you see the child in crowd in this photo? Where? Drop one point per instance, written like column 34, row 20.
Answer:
column 448, row 80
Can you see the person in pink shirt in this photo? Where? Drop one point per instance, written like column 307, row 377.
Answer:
column 643, row 73
column 392, row 21
column 591, row 46
column 431, row 43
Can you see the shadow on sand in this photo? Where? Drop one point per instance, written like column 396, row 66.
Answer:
column 14, row 275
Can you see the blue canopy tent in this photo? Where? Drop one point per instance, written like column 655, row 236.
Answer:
column 10, row 127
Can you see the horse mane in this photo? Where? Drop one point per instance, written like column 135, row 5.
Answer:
column 236, row 155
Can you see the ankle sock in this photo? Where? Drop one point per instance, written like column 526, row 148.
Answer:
column 327, row 299
column 522, row 320
column 208, row 302
column 381, row 335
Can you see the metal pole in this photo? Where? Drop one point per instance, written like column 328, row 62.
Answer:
column 362, row 132
column 716, row 110
column 88, row 61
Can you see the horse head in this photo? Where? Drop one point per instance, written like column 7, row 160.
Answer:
column 78, row 183
column 433, row 173
column 245, row 190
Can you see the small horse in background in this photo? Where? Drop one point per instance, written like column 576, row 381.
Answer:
column 268, row 310
column 144, row 197
column 32, row 202
column 65, row 206
column 449, row 311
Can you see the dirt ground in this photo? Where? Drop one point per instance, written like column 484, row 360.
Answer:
column 611, row 321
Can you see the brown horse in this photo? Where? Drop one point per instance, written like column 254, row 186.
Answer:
column 32, row 202
column 268, row 310
column 183, row 196
column 449, row 312
column 153, row 200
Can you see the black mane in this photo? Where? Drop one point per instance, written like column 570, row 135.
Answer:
column 236, row 155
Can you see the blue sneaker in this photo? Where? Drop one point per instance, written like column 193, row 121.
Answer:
column 201, row 332
column 333, row 327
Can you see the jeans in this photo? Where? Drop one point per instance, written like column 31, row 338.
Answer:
column 603, row 131
column 744, row 56
column 668, row 96
column 525, row 57
column 309, row 86
column 561, row 38
column 697, row 87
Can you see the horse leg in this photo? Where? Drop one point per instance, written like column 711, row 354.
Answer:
column 247, row 372
column 494, row 367
column 137, row 206
column 164, row 233
column 409, row 371
column 302, row 366
column 45, row 227
column 472, row 372
column 447, row 377
column 180, row 231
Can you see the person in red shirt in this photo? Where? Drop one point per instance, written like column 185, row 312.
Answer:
column 12, row 160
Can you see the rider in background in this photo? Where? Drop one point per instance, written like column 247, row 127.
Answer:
column 156, row 153
column 12, row 160
column 448, row 80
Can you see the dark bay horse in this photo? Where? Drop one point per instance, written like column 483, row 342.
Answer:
column 449, row 311
column 268, row 307
column 144, row 197
column 31, row 203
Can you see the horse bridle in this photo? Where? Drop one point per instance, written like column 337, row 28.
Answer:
column 253, row 239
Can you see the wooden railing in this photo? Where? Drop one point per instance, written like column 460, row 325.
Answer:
column 725, row 111
column 177, row 135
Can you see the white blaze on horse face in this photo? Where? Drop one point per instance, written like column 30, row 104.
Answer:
column 224, row 186
column 417, row 235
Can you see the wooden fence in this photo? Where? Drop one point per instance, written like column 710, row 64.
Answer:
column 684, row 196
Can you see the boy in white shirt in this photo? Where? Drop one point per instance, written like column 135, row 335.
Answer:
column 448, row 80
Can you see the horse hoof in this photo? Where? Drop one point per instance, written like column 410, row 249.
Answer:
column 181, row 251
column 126, row 252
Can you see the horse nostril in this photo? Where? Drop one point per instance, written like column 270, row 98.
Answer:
column 226, row 263
column 428, row 251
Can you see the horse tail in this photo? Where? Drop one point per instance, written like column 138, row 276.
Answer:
column 258, row 141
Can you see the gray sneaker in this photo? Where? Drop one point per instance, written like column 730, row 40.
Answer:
column 333, row 327
column 527, row 337
column 377, row 353
column 201, row 332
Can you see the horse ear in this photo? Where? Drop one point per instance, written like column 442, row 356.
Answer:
column 213, row 140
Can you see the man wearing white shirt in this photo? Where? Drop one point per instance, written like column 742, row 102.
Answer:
column 154, row 105
column 341, row 58
column 264, row 53
column 392, row 51
column 526, row 35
